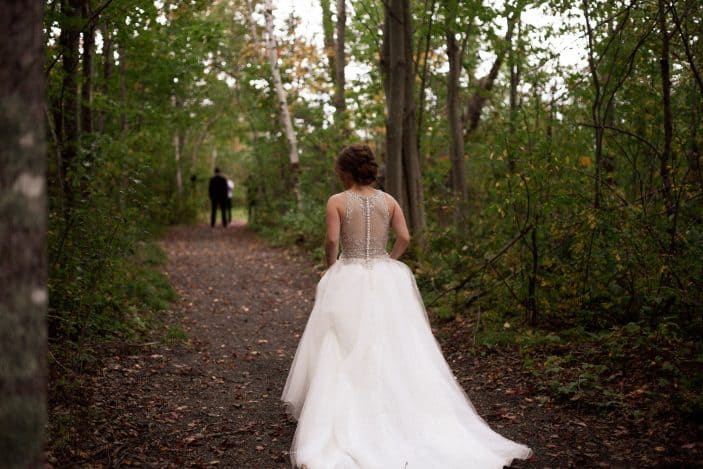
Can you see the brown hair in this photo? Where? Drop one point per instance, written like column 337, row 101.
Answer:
column 359, row 162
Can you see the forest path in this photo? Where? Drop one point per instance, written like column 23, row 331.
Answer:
column 213, row 399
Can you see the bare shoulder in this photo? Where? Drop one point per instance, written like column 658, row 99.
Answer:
column 336, row 199
column 336, row 202
column 390, row 200
column 389, row 197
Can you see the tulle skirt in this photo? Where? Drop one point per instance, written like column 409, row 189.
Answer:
column 369, row 385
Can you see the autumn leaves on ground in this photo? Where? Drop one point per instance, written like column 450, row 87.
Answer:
column 204, row 389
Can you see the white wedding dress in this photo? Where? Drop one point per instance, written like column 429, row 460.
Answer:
column 369, row 385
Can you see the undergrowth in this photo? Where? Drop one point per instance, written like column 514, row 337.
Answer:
column 634, row 369
column 131, row 298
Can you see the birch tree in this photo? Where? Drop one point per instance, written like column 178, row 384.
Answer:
column 283, row 111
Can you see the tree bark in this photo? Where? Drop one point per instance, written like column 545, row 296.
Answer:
column 106, row 72
column 394, row 45
column 403, row 176
column 456, row 134
column 595, row 108
column 340, row 64
column 23, row 269
column 87, row 86
column 328, row 38
column 514, row 62
column 485, row 84
column 411, row 157
column 199, row 141
column 178, row 149
column 665, row 157
column 123, row 86
column 685, row 40
column 423, row 75
column 69, row 41
column 284, row 113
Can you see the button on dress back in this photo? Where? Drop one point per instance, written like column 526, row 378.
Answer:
column 364, row 230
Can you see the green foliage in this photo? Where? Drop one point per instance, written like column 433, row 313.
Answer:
column 624, row 368
column 131, row 175
column 582, row 270
column 109, row 295
column 175, row 334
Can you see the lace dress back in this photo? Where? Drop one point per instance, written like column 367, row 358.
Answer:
column 364, row 231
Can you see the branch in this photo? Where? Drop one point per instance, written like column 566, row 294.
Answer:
column 689, row 55
column 88, row 24
column 487, row 263
column 623, row 131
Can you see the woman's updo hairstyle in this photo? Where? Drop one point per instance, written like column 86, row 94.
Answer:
column 359, row 162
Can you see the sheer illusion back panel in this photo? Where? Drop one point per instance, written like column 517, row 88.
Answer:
column 364, row 230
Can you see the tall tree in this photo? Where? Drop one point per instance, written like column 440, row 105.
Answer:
column 515, row 65
column 328, row 37
column 403, row 178
column 69, row 41
column 23, row 295
column 178, row 144
column 666, row 156
column 87, row 70
column 282, row 101
column 107, row 57
column 455, row 55
column 424, row 53
column 485, row 84
column 411, row 157
column 340, row 64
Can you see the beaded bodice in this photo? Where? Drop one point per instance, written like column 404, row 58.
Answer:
column 364, row 231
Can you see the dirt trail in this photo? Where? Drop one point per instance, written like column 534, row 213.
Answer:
column 213, row 400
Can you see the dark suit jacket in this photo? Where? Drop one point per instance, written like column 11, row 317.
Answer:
column 218, row 188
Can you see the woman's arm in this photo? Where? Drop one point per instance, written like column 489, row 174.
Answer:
column 333, row 226
column 400, row 228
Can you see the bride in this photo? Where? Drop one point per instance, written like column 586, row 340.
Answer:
column 369, row 385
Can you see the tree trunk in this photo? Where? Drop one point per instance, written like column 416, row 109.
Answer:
column 514, row 63
column 685, row 40
column 87, row 86
column 178, row 148
column 595, row 108
column 485, row 84
column 284, row 113
column 199, row 141
column 394, row 45
column 694, row 152
column 411, row 157
column 665, row 158
column 23, row 269
column 456, row 134
column 402, row 176
column 328, row 38
column 178, row 143
column 423, row 75
column 69, row 41
column 340, row 63
column 107, row 72
column 123, row 86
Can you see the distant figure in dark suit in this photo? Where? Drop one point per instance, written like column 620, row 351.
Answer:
column 218, row 197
